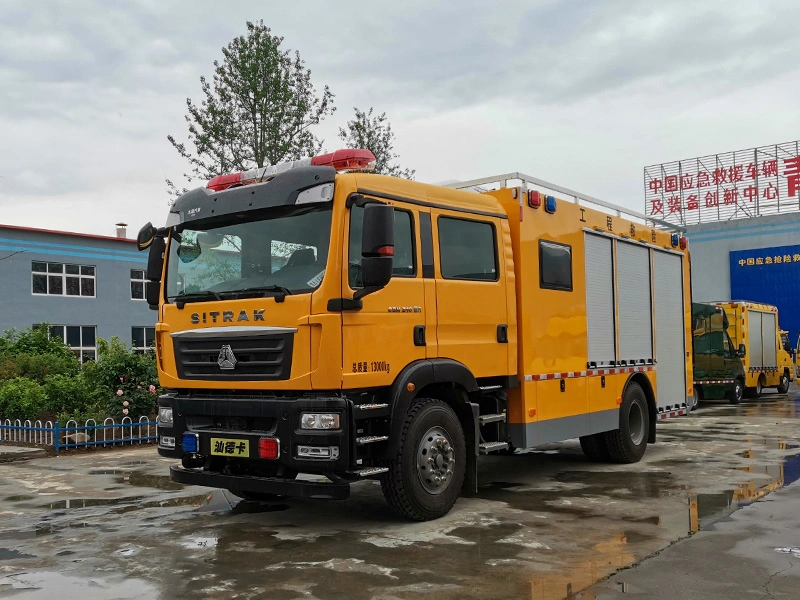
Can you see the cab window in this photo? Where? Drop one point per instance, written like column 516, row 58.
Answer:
column 404, row 262
column 467, row 249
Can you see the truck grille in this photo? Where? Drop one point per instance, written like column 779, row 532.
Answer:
column 257, row 358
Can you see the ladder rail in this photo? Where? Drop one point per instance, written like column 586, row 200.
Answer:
column 503, row 179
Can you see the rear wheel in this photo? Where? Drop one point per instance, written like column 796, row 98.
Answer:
column 628, row 443
column 783, row 387
column 695, row 399
column 594, row 447
column 425, row 478
column 736, row 393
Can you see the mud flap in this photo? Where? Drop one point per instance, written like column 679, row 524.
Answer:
column 473, row 440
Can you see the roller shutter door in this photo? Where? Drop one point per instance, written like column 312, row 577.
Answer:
column 768, row 339
column 754, row 334
column 670, row 329
column 600, row 300
column 633, row 290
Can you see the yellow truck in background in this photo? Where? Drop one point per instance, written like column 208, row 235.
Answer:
column 754, row 329
column 316, row 320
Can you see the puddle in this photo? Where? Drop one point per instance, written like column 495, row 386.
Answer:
column 31, row 586
column 19, row 498
column 71, row 503
column 8, row 554
column 144, row 479
column 105, row 472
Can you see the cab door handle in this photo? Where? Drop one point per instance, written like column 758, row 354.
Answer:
column 419, row 335
column 502, row 334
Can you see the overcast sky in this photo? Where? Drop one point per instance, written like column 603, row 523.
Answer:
column 579, row 92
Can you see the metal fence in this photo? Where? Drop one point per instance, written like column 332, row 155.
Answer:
column 72, row 435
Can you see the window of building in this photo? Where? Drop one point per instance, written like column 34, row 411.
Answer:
column 82, row 339
column 404, row 262
column 467, row 249
column 143, row 338
column 137, row 284
column 58, row 279
column 555, row 266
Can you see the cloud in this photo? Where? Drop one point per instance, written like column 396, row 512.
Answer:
column 581, row 92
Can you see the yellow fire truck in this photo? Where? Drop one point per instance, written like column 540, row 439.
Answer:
column 316, row 320
column 753, row 328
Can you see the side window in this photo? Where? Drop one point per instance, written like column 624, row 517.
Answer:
column 467, row 249
column 726, row 344
column 404, row 263
column 555, row 266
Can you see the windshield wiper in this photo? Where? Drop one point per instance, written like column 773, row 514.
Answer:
column 182, row 299
column 259, row 290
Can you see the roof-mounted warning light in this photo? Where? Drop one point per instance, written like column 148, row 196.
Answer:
column 534, row 199
column 675, row 239
column 684, row 243
column 550, row 204
column 347, row 159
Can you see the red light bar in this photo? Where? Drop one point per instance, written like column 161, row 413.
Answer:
column 223, row 182
column 346, row 159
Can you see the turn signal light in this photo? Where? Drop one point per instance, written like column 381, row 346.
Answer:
column 268, row 448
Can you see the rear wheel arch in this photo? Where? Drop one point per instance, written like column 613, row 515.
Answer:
column 649, row 394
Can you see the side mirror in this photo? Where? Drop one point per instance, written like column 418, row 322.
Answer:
column 742, row 352
column 155, row 260
column 151, row 292
column 146, row 236
column 377, row 247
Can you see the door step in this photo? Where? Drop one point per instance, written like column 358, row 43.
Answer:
column 487, row 447
column 484, row 419
column 369, row 471
column 371, row 439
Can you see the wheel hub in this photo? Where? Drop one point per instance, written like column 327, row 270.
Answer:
column 436, row 459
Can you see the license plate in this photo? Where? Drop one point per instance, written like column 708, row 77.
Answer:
column 228, row 447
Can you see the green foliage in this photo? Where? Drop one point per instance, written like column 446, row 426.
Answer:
column 258, row 110
column 33, row 354
column 21, row 398
column 118, row 368
column 42, row 378
column 374, row 134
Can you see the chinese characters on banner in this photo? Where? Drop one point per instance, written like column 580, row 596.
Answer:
column 719, row 187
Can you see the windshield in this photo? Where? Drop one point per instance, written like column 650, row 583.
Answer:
column 284, row 254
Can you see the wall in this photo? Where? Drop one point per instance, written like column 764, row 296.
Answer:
column 710, row 246
column 112, row 311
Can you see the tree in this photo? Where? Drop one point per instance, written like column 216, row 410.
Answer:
column 374, row 134
column 259, row 109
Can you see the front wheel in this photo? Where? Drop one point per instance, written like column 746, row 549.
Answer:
column 783, row 387
column 425, row 478
column 628, row 443
column 736, row 393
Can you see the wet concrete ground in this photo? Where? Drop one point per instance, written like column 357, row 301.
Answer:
column 545, row 525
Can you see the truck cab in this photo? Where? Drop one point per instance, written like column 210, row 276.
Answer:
column 718, row 369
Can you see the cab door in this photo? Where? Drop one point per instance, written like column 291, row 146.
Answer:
column 472, row 326
column 388, row 332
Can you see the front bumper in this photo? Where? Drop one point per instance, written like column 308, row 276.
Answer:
column 261, row 485
column 251, row 419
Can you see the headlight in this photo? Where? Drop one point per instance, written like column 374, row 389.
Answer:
column 165, row 416
column 319, row 421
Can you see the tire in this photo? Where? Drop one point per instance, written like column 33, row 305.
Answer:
column 736, row 394
column 695, row 400
column 783, row 387
column 431, row 443
column 628, row 443
column 759, row 388
column 594, row 447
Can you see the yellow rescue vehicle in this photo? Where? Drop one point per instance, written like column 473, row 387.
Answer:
column 316, row 320
column 753, row 328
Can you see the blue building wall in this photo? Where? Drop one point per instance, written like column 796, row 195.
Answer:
column 111, row 311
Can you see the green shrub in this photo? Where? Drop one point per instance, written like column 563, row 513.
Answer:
column 118, row 368
column 21, row 398
column 68, row 394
